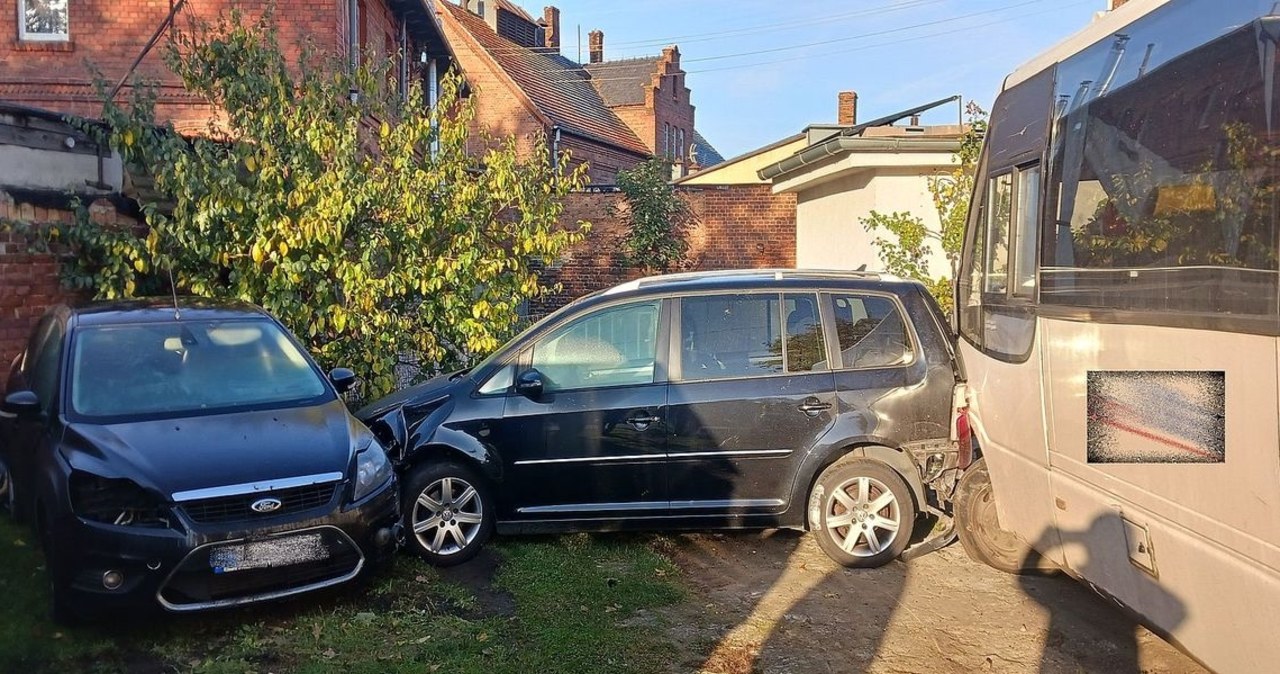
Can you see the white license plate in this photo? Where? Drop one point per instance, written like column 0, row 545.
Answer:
column 265, row 554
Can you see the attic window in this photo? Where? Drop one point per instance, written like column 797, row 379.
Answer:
column 44, row 20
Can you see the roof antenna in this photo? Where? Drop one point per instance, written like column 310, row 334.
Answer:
column 173, row 288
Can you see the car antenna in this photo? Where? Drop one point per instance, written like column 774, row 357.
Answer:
column 173, row 288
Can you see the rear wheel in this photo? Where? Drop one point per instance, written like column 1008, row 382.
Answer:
column 449, row 512
column 979, row 527
column 867, row 513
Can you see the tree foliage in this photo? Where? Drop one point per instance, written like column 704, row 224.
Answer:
column 656, row 217
column 361, row 221
column 906, row 247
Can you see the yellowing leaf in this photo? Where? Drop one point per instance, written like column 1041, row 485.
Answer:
column 256, row 253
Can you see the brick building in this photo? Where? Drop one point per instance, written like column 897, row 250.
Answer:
column 609, row 114
column 45, row 60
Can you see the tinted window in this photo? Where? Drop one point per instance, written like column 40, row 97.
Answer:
column 43, row 371
column 806, row 351
column 1166, row 187
column 192, row 366
column 871, row 332
column 499, row 381
column 611, row 347
column 730, row 336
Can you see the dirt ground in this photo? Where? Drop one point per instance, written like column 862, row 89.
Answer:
column 773, row 602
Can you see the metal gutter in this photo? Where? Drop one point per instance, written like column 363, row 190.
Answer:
column 843, row 144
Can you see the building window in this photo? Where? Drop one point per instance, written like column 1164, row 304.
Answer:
column 666, row 140
column 680, row 145
column 43, row 20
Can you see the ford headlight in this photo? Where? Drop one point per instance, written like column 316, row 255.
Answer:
column 373, row 469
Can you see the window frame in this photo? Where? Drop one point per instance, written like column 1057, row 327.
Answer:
column 676, row 357
column 522, row 356
column 24, row 36
column 827, row 302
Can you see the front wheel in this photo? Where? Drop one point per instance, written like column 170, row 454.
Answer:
column 866, row 513
column 978, row 525
column 449, row 512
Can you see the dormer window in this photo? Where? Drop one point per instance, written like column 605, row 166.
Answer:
column 43, row 20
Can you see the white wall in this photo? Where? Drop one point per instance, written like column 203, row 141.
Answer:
column 829, row 234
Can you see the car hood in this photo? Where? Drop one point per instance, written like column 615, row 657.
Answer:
column 429, row 391
column 181, row 454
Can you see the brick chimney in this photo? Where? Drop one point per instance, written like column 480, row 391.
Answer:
column 848, row 108
column 551, row 27
column 595, row 45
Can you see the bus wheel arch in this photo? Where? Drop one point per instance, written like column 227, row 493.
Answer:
column 978, row 526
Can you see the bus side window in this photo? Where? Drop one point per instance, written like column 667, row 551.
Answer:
column 1025, row 232
column 1000, row 194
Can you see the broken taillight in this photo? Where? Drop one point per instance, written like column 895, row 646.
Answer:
column 964, row 439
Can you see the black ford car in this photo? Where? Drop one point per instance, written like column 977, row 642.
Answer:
column 188, row 455
column 819, row 400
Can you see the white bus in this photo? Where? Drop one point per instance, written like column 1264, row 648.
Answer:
column 1119, row 316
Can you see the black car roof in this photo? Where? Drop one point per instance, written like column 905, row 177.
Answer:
column 159, row 309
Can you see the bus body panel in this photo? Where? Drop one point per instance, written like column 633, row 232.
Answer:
column 1007, row 415
column 1119, row 310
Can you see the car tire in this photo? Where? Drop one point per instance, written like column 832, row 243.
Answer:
column 865, row 513
column 448, row 511
column 978, row 526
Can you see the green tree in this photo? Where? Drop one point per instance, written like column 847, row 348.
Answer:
column 359, row 219
column 656, row 216
column 904, row 249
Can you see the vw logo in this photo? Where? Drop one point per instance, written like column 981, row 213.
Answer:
column 266, row 505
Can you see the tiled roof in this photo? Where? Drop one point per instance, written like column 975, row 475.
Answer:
column 707, row 155
column 559, row 89
column 623, row 82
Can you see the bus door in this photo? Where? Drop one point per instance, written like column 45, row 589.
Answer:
column 995, row 296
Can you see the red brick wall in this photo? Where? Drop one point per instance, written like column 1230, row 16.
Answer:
column 29, row 282
column 666, row 104
column 737, row 227
column 109, row 35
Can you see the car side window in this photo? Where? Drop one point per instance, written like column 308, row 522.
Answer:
column 806, row 351
column 499, row 381
column 726, row 336
column 871, row 332
column 616, row 346
column 43, row 371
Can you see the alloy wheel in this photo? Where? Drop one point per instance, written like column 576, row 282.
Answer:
column 863, row 516
column 447, row 516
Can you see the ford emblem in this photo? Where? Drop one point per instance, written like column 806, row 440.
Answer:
column 266, row 505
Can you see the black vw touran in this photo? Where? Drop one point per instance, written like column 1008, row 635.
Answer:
column 818, row 400
column 188, row 455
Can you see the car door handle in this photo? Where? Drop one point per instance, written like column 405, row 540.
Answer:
column 642, row 422
column 813, row 406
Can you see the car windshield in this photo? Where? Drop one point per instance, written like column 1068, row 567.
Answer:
column 159, row 369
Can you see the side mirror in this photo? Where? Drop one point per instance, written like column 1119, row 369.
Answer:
column 22, row 404
column 529, row 384
column 343, row 379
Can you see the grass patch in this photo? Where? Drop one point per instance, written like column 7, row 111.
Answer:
column 556, row 604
